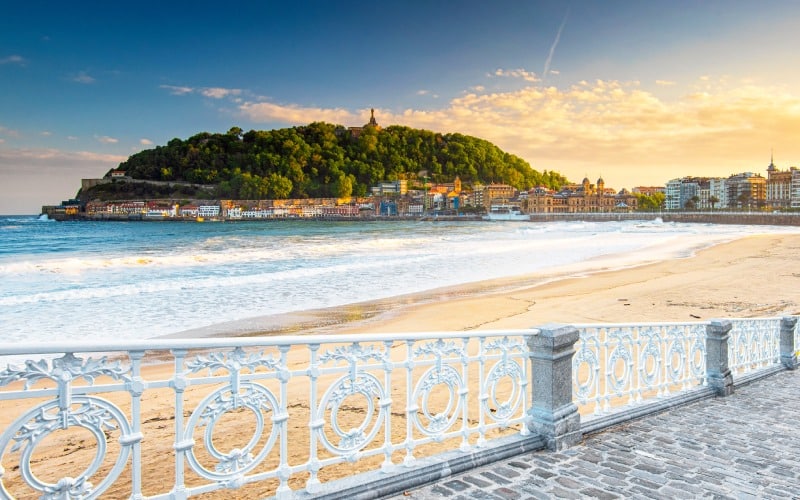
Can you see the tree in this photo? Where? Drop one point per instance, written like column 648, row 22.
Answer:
column 713, row 200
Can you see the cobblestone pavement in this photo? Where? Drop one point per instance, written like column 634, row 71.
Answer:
column 744, row 446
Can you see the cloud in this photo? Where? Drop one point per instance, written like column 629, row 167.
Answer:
column 72, row 138
column 13, row 59
column 211, row 92
column 2, row 141
column 83, row 77
column 176, row 90
column 46, row 133
column 9, row 132
column 36, row 177
column 219, row 92
column 526, row 75
column 106, row 139
column 291, row 114
column 145, row 142
column 634, row 136
column 666, row 83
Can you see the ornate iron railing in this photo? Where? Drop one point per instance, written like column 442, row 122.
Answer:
column 277, row 413
column 285, row 416
column 753, row 344
column 621, row 364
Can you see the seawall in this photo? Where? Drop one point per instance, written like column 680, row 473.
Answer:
column 758, row 218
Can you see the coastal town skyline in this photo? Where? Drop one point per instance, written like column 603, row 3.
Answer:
column 636, row 93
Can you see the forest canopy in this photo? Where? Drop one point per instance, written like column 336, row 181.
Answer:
column 322, row 160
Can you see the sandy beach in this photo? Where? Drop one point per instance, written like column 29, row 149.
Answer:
column 751, row 277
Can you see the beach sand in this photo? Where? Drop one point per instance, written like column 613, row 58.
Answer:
column 755, row 276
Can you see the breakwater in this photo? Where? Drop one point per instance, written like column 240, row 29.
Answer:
column 752, row 218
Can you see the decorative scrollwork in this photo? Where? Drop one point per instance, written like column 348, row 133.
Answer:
column 437, row 423
column 354, row 439
column 650, row 358
column 503, row 409
column 233, row 361
column 620, row 351
column 64, row 370
column 260, row 402
column 94, row 414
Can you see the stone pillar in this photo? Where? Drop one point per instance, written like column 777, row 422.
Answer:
column 717, row 372
column 788, row 348
column 553, row 414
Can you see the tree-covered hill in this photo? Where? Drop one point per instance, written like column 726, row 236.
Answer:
column 324, row 160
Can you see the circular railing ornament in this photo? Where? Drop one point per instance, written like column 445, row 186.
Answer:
column 354, row 439
column 436, row 423
column 232, row 464
column 503, row 410
column 96, row 415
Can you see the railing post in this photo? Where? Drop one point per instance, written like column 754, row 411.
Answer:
column 553, row 414
column 788, row 347
column 718, row 373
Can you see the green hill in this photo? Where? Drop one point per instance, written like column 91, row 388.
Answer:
column 322, row 160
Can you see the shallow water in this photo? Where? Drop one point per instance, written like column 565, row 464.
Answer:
column 135, row 280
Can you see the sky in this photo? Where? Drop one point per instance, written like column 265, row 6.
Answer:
column 638, row 92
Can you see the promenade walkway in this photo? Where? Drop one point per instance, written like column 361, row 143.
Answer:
column 744, row 446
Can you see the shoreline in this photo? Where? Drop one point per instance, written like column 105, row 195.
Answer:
column 404, row 313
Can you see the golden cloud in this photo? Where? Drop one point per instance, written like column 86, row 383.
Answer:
column 618, row 128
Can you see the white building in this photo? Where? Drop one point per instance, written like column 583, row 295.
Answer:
column 208, row 211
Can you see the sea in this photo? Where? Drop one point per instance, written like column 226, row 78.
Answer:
column 62, row 281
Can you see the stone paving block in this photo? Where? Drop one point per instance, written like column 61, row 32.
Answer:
column 613, row 473
column 543, row 473
column 441, row 491
column 456, row 485
column 616, row 466
column 568, row 482
column 505, row 472
column 480, row 483
column 650, row 485
column 491, row 476
column 507, row 493
column 562, row 493
column 599, row 494
column 536, row 494
column 519, row 465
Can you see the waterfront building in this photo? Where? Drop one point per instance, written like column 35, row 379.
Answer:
column 672, row 200
column 795, row 203
column 208, row 211
column 398, row 187
column 779, row 186
column 718, row 193
column 494, row 194
column 746, row 190
column 648, row 190
column 188, row 211
column 580, row 198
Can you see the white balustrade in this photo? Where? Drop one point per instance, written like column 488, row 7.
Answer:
column 309, row 404
column 283, row 416
column 753, row 344
column 619, row 364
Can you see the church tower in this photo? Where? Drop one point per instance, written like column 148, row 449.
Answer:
column 771, row 168
column 372, row 121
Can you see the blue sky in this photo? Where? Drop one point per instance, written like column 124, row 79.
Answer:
column 638, row 92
